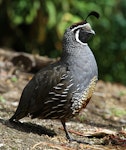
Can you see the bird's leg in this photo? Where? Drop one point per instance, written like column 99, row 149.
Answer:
column 69, row 136
column 65, row 129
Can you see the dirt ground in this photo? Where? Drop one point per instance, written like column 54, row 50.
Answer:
column 102, row 123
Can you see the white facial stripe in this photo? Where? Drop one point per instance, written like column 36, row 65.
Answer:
column 80, row 26
column 77, row 38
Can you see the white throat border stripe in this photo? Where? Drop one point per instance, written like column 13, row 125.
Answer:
column 77, row 38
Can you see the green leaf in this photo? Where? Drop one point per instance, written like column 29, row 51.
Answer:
column 14, row 79
column 2, row 99
column 52, row 13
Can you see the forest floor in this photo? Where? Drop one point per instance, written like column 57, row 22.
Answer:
column 102, row 123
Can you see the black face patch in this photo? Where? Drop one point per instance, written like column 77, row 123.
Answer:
column 84, row 36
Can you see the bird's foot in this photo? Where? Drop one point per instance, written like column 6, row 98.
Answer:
column 68, row 136
column 79, row 141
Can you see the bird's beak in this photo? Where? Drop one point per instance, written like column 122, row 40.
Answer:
column 92, row 32
column 87, row 28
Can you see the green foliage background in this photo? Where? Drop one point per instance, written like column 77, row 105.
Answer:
column 37, row 26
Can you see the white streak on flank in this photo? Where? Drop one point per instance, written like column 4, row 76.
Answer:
column 52, row 112
column 64, row 92
column 69, row 85
column 66, row 89
column 62, row 116
column 52, row 93
column 64, row 76
column 60, row 84
column 64, row 95
column 50, row 101
column 55, row 98
column 57, row 95
column 54, row 107
column 60, row 105
column 78, row 89
column 57, row 88
column 71, row 80
column 64, row 100
column 59, row 111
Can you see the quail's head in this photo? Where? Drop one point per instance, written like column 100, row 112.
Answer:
column 79, row 32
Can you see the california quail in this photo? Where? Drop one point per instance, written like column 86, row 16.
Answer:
column 61, row 90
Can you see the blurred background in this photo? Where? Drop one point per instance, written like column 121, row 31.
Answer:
column 37, row 27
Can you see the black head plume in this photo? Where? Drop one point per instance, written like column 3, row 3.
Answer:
column 93, row 13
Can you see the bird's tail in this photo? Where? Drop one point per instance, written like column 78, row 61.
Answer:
column 22, row 110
